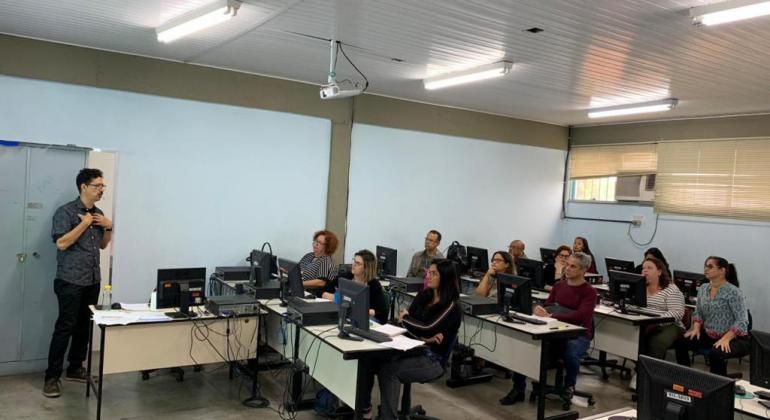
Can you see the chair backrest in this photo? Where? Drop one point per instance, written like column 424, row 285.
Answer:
column 448, row 353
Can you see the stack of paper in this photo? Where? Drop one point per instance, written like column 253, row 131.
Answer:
column 403, row 343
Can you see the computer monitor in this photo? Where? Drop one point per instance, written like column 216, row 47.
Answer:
column 619, row 265
column 689, row 283
column 354, row 306
column 532, row 269
column 548, row 255
column 759, row 363
column 478, row 260
column 263, row 267
column 173, row 283
column 628, row 288
column 386, row 261
column 514, row 293
column 666, row 391
column 291, row 280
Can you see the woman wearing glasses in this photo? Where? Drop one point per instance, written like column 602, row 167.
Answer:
column 502, row 262
column 720, row 323
column 318, row 267
column 554, row 272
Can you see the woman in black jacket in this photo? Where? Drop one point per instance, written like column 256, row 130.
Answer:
column 433, row 317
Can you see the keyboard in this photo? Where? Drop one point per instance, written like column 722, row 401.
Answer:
column 372, row 335
column 528, row 319
column 640, row 311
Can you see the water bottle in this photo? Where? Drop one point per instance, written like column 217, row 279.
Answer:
column 107, row 298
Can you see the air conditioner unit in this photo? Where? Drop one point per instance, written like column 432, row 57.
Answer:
column 635, row 188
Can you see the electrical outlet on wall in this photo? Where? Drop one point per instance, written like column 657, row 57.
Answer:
column 637, row 219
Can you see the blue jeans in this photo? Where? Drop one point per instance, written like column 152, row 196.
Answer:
column 572, row 351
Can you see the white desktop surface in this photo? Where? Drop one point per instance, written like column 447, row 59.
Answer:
column 751, row 406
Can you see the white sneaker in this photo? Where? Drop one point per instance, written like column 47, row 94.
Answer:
column 632, row 383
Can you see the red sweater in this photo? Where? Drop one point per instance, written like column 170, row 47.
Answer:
column 581, row 299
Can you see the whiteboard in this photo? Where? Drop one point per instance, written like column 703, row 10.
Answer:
column 198, row 184
column 480, row 193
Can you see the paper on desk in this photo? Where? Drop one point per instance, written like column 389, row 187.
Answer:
column 389, row 329
column 543, row 318
column 135, row 306
column 114, row 318
column 403, row 343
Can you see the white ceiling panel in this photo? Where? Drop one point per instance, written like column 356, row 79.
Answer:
column 591, row 53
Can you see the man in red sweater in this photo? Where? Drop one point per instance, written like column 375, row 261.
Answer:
column 572, row 300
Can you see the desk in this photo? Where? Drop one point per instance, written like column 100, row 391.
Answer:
column 751, row 408
column 619, row 334
column 330, row 360
column 626, row 411
column 169, row 343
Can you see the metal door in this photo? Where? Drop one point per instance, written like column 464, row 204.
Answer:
column 47, row 180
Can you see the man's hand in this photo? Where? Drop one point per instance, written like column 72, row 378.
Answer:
column 402, row 314
column 100, row 220
column 540, row 311
column 88, row 218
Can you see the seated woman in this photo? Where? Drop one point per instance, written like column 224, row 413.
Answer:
column 434, row 317
column 318, row 267
column 720, row 322
column 581, row 245
column 654, row 253
column 662, row 296
column 502, row 262
column 554, row 272
column 364, row 270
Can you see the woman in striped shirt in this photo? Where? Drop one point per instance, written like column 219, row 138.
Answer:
column 664, row 297
column 318, row 267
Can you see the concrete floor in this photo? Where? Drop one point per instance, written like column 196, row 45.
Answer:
column 211, row 395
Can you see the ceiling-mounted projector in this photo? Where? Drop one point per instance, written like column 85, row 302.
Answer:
column 333, row 90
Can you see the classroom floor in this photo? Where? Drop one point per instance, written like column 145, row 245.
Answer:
column 211, row 395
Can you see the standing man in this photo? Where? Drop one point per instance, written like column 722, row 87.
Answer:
column 516, row 249
column 79, row 231
column 422, row 259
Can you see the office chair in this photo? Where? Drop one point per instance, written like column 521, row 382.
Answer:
column 407, row 412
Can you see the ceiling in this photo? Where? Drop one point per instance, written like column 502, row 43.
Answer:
column 591, row 52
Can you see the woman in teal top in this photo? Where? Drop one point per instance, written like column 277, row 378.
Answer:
column 720, row 323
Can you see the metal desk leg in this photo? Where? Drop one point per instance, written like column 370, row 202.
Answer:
column 361, row 388
column 89, row 378
column 101, row 375
column 543, row 380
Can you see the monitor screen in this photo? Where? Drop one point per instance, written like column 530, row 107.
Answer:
column 689, row 283
column 548, row 255
column 533, row 269
column 354, row 304
column 386, row 261
column 478, row 260
column 669, row 391
column 628, row 288
column 760, row 359
column 514, row 293
column 619, row 265
column 169, row 279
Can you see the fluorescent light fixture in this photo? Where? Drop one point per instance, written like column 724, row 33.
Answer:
column 487, row 71
column 640, row 108
column 729, row 11
column 198, row 19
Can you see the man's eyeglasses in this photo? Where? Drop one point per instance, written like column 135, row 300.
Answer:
column 98, row 186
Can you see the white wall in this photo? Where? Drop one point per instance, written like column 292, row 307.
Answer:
column 481, row 193
column 198, row 184
column 684, row 241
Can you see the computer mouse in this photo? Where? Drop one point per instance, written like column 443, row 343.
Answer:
column 739, row 390
column 116, row 305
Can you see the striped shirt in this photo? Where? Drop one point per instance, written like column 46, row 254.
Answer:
column 670, row 301
column 313, row 267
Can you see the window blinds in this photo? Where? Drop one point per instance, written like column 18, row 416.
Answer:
column 604, row 161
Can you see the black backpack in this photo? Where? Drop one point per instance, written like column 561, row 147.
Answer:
column 458, row 255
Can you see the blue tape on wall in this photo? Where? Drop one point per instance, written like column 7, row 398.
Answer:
column 8, row 143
